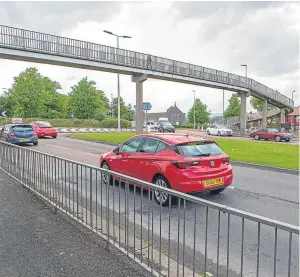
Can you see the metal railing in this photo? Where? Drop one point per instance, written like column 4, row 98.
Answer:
column 250, row 117
column 188, row 237
column 21, row 39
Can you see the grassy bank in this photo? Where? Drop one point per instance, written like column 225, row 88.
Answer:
column 282, row 155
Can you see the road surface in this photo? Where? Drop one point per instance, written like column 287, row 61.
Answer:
column 270, row 194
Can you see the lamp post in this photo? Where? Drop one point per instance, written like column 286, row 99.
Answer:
column 119, row 108
column 194, row 110
column 244, row 65
column 293, row 94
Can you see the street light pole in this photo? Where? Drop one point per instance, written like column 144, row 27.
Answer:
column 194, row 111
column 223, row 102
column 118, row 77
column 246, row 73
column 293, row 94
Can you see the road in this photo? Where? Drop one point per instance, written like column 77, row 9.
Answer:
column 270, row 194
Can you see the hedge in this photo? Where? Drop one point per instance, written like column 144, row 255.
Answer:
column 80, row 123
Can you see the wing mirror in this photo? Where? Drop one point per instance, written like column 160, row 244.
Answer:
column 117, row 150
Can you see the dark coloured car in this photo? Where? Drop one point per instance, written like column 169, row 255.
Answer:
column 271, row 134
column 166, row 127
column 19, row 134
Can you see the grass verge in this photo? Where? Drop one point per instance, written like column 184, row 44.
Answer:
column 282, row 155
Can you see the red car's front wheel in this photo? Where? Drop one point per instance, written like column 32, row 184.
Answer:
column 160, row 196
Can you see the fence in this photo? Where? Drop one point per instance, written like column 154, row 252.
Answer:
column 189, row 237
column 21, row 39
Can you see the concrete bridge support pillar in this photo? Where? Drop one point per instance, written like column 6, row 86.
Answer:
column 243, row 114
column 265, row 114
column 139, row 101
column 282, row 118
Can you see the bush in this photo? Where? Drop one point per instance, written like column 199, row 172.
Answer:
column 59, row 122
column 113, row 123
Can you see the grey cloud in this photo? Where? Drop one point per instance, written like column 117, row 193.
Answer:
column 53, row 17
column 219, row 16
column 267, row 46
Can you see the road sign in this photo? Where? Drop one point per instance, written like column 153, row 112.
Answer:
column 4, row 113
column 72, row 115
column 146, row 106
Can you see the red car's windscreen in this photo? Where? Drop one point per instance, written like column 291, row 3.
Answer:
column 198, row 149
column 44, row 124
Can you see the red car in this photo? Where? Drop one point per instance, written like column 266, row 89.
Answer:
column 44, row 129
column 271, row 134
column 184, row 163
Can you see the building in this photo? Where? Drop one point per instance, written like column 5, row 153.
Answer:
column 174, row 114
column 294, row 118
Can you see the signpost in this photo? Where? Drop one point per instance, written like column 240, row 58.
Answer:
column 4, row 114
column 146, row 107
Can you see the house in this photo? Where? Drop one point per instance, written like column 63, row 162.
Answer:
column 174, row 114
column 294, row 118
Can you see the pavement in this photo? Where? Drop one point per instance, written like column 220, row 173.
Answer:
column 35, row 242
column 271, row 194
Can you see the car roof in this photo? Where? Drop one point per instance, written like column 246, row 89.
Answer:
column 174, row 139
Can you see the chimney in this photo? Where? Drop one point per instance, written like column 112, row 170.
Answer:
column 175, row 104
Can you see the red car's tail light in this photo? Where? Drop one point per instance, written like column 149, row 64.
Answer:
column 226, row 160
column 184, row 164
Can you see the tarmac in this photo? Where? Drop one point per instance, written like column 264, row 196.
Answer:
column 36, row 242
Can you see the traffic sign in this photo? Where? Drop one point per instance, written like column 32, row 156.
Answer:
column 4, row 113
column 146, row 106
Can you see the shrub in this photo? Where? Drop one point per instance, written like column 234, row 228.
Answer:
column 113, row 123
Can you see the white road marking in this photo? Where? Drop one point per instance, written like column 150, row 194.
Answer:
column 71, row 149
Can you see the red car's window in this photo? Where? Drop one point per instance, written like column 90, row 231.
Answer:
column 44, row 124
column 132, row 145
column 161, row 146
column 198, row 149
column 150, row 145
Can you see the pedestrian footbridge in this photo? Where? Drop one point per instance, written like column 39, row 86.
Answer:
column 25, row 45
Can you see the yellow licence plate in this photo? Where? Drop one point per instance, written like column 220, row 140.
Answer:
column 24, row 139
column 213, row 182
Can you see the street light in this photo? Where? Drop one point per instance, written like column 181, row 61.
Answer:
column 194, row 110
column 293, row 94
column 119, row 108
column 246, row 72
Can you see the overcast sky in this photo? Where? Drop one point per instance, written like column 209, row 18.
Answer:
column 220, row 35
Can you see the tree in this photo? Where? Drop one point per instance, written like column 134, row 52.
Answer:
column 234, row 107
column 87, row 102
column 258, row 104
column 126, row 112
column 201, row 113
column 32, row 95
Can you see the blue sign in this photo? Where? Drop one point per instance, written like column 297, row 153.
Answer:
column 147, row 106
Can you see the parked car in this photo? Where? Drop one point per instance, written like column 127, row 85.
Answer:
column 44, row 129
column 218, row 130
column 166, row 127
column 19, row 134
column 184, row 163
column 253, row 129
column 271, row 134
